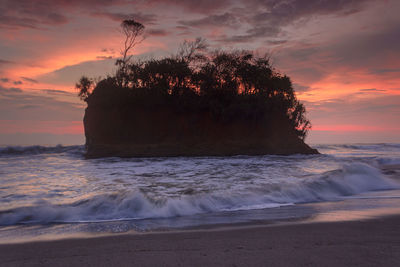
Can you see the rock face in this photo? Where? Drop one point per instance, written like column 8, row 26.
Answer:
column 162, row 132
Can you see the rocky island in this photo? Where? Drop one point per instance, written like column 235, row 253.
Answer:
column 195, row 103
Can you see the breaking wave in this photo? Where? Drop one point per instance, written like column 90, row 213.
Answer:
column 350, row 180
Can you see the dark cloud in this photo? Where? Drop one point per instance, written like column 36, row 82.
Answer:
column 56, row 92
column 266, row 19
column 199, row 6
column 4, row 80
column 384, row 70
column 300, row 88
column 29, row 106
column 17, row 82
column 277, row 42
column 108, row 51
column 43, row 13
column 29, row 80
column 12, row 90
column 304, row 53
column 34, row 21
column 305, row 74
column 375, row 49
column 226, row 19
column 372, row 90
column 283, row 12
column 251, row 35
column 183, row 28
column 367, row 51
column 146, row 19
column 3, row 62
column 157, row 32
column 104, row 57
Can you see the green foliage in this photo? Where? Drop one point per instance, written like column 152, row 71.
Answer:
column 228, row 85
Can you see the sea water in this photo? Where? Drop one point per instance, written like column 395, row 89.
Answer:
column 55, row 190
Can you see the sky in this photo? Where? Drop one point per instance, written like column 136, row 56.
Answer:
column 343, row 57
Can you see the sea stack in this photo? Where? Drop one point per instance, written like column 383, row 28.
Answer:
column 230, row 103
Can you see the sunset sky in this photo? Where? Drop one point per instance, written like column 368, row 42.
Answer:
column 343, row 57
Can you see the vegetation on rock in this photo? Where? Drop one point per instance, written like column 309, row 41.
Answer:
column 227, row 86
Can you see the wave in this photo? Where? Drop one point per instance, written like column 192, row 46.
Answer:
column 34, row 150
column 388, row 161
column 334, row 185
column 374, row 147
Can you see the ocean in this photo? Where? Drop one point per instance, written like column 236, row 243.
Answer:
column 54, row 192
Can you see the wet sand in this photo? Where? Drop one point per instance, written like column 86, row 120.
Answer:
column 373, row 242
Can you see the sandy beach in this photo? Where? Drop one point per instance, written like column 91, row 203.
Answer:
column 373, row 242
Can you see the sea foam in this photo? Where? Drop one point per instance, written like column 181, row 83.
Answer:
column 349, row 180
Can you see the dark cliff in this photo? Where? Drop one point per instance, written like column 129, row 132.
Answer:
column 158, row 133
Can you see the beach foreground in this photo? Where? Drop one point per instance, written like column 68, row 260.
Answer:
column 374, row 242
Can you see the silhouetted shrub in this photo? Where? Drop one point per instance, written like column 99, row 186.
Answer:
column 228, row 85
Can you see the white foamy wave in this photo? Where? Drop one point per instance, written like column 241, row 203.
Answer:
column 350, row 180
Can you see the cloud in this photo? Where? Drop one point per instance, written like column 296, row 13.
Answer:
column 104, row 57
column 369, row 56
column 56, row 92
column 372, row 90
column 29, row 80
column 225, row 19
column 3, row 62
column 146, row 19
column 284, row 12
column 4, row 80
column 45, row 111
column 5, row 91
column 69, row 75
column 44, row 13
column 385, row 70
column 28, row 106
column 277, row 42
column 16, row 104
column 33, row 21
column 374, row 49
column 382, row 111
column 201, row 6
column 300, row 88
column 157, row 32
column 108, row 51
column 266, row 19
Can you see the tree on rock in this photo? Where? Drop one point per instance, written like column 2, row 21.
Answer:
column 133, row 32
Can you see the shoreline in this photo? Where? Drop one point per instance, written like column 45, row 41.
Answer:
column 174, row 150
column 368, row 207
column 368, row 242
